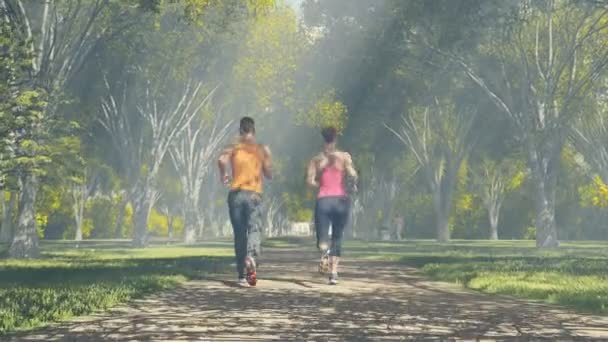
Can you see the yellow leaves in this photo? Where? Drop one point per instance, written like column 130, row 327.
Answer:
column 465, row 202
column 516, row 181
column 595, row 193
column 41, row 220
column 28, row 98
column 159, row 224
column 327, row 111
column 194, row 10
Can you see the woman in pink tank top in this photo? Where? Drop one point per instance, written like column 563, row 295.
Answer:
column 327, row 171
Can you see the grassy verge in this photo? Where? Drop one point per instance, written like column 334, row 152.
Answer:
column 69, row 282
column 575, row 275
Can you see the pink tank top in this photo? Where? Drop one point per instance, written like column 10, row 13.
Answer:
column 331, row 183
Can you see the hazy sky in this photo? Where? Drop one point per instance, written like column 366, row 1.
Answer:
column 295, row 3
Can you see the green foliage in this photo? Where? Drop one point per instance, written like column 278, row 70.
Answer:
column 158, row 224
column 296, row 210
column 326, row 111
column 269, row 58
column 595, row 193
column 70, row 282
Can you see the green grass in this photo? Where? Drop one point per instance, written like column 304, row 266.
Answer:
column 575, row 275
column 70, row 281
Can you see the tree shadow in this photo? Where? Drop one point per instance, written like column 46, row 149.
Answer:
column 375, row 301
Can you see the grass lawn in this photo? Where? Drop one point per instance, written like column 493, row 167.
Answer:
column 575, row 275
column 71, row 281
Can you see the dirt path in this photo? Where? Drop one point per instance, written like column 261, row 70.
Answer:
column 373, row 302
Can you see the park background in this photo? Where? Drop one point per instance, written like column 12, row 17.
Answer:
column 471, row 120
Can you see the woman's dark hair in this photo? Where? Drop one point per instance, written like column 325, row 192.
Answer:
column 329, row 134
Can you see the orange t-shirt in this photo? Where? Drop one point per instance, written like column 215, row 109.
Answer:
column 247, row 161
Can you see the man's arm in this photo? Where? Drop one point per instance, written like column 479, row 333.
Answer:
column 267, row 163
column 311, row 174
column 223, row 162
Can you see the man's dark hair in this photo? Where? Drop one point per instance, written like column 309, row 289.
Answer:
column 329, row 134
column 247, row 125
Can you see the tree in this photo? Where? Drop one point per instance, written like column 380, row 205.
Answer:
column 9, row 202
column 166, row 123
column 492, row 181
column 57, row 38
column 536, row 72
column 82, row 189
column 590, row 137
column 440, row 137
column 192, row 156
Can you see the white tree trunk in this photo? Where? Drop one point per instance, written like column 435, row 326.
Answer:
column 120, row 219
column 546, row 230
column 79, row 197
column 141, row 213
column 442, row 217
column 191, row 221
column 8, row 208
column 493, row 215
column 25, row 237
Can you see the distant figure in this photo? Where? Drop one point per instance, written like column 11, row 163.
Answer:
column 327, row 171
column 249, row 162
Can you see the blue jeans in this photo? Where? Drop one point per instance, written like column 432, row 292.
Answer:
column 246, row 218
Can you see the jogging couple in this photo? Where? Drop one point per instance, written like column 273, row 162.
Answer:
column 250, row 162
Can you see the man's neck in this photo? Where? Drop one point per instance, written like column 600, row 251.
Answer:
column 248, row 138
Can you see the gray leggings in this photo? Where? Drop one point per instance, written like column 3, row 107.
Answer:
column 332, row 211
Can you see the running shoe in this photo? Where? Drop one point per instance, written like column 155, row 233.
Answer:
column 324, row 264
column 250, row 268
column 242, row 282
column 333, row 278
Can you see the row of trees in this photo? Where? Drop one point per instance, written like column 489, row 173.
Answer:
column 484, row 119
column 484, row 97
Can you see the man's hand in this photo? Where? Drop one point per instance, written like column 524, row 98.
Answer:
column 267, row 162
column 223, row 162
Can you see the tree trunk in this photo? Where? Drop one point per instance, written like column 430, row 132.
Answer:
column 79, row 196
column 493, row 214
column 192, row 221
column 544, row 163
column 78, row 236
column 190, row 227
column 170, row 226
column 140, row 225
column 442, row 198
column 442, row 217
column 546, row 230
column 8, row 207
column 25, row 238
column 120, row 219
column 141, row 214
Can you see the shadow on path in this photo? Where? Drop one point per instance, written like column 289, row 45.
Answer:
column 374, row 301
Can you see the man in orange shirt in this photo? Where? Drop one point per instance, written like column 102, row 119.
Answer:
column 250, row 162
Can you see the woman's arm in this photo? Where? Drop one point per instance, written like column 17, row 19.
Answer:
column 311, row 174
column 349, row 166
